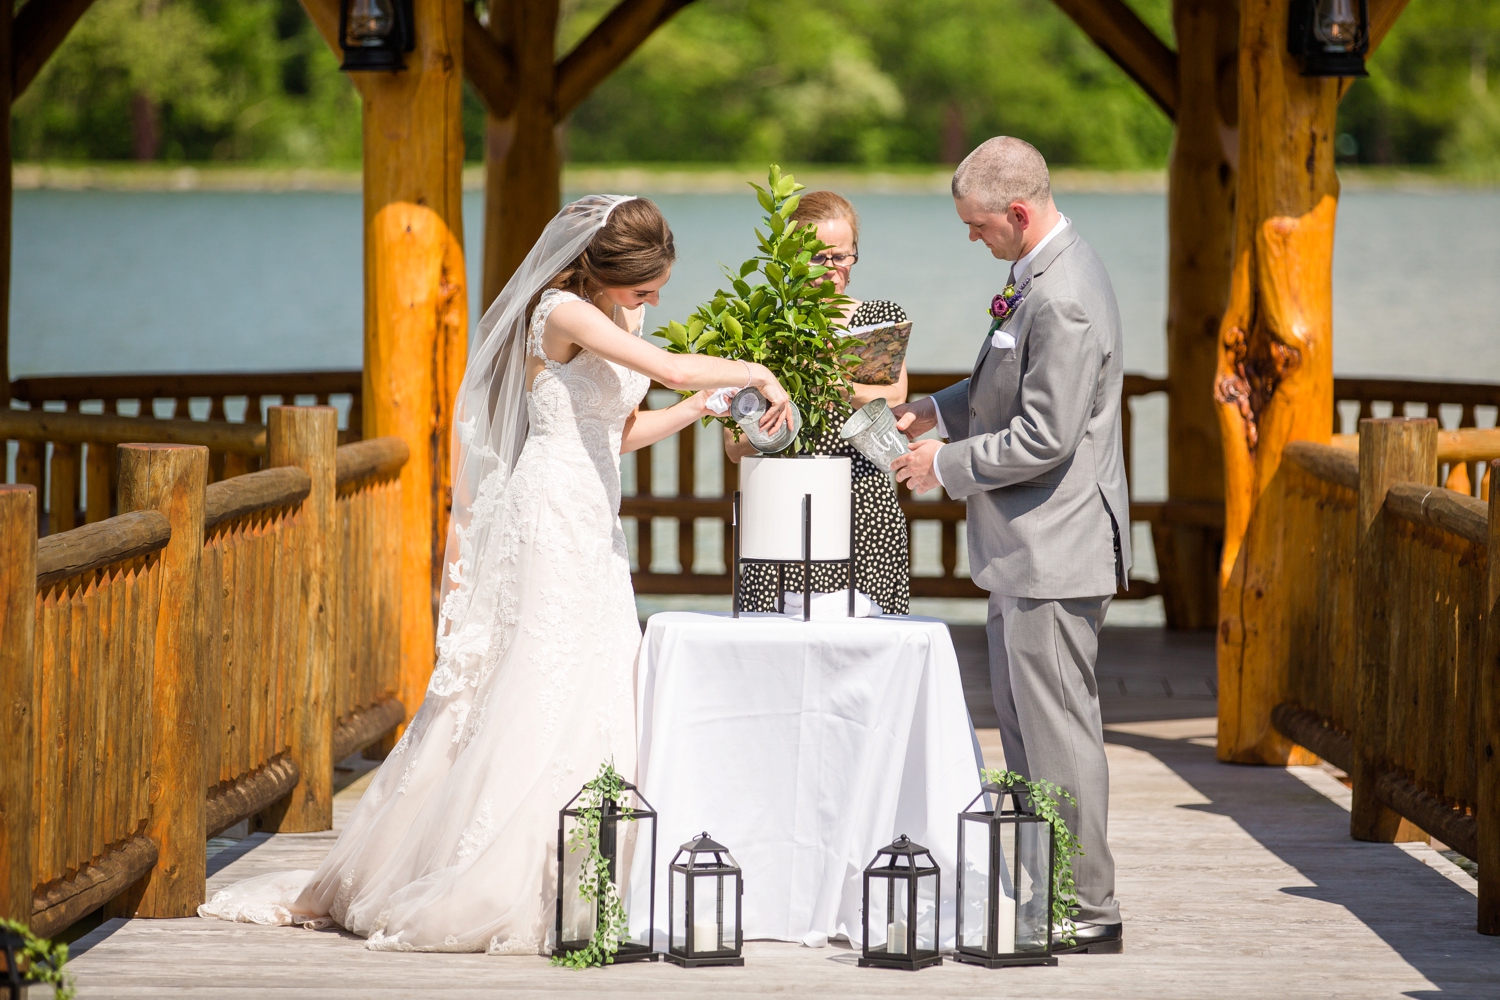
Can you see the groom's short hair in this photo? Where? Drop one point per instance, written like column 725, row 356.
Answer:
column 1001, row 171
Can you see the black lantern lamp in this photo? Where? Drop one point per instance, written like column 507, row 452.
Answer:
column 14, row 983
column 903, row 890
column 1005, row 887
column 626, row 827
column 375, row 34
column 1331, row 37
column 703, row 897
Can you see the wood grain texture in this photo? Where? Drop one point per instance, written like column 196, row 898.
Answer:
column 250, row 794
column 92, row 546
column 605, row 49
column 1391, row 451
column 171, row 479
column 60, row 903
column 1133, row 46
column 40, row 27
column 381, row 457
column 1443, row 509
column 1335, row 465
column 489, row 66
column 1431, row 814
column 306, row 438
column 8, row 92
column 17, row 687
column 366, row 725
column 252, row 493
column 1487, row 752
column 80, row 428
column 1312, row 731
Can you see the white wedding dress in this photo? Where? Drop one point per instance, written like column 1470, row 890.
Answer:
column 453, row 846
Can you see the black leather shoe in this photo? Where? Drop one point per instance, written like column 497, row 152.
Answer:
column 1091, row 939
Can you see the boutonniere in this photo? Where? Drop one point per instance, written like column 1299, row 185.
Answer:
column 1004, row 305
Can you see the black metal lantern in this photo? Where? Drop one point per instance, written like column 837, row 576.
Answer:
column 903, row 908
column 623, row 832
column 1331, row 37
column 703, row 895
column 375, row 34
column 1005, row 860
column 15, row 984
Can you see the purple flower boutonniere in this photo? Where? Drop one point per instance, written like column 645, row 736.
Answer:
column 1004, row 305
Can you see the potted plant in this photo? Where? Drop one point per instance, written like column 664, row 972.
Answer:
column 33, row 966
column 789, row 320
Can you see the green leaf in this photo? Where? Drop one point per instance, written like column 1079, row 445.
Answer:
column 677, row 335
column 789, row 207
column 694, row 327
column 766, row 202
column 742, row 288
column 733, row 325
column 774, row 272
column 748, row 267
column 709, row 336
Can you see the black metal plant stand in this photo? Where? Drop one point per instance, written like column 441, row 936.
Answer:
column 806, row 561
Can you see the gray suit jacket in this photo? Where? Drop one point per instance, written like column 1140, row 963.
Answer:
column 1036, row 446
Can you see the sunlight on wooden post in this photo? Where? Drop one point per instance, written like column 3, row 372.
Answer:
column 1391, row 451
column 170, row 478
column 307, row 437
column 17, row 715
column 1488, row 756
column 1200, row 220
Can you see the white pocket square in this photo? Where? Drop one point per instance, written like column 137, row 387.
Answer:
column 1002, row 341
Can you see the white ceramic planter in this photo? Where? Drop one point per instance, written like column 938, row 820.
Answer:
column 771, row 492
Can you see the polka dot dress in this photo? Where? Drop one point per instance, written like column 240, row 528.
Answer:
column 881, row 564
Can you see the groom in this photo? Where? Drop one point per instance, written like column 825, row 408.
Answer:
column 1035, row 448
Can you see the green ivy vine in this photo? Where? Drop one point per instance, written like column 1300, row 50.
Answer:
column 791, row 320
column 594, row 883
column 42, row 960
column 1045, row 800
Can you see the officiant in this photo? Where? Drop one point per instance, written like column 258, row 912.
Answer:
column 882, row 561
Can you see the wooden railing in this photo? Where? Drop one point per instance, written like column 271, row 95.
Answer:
column 62, row 450
column 201, row 659
column 1369, row 636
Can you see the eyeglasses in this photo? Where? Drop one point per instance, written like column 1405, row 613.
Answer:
column 834, row 259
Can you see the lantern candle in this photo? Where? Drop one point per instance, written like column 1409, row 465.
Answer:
column 1005, row 923
column 705, row 933
column 895, row 938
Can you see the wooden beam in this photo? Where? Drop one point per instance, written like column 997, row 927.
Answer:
column 7, row 194
column 18, row 822
column 1200, row 224
column 489, row 66
column 612, row 41
column 1134, row 47
column 40, row 27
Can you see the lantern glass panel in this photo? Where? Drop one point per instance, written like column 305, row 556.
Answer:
column 680, row 919
column 622, row 832
column 976, row 886
column 1337, row 25
column 1033, row 885
column 708, row 908
column 370, row 22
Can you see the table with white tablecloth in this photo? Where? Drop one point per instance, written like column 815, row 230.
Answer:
column 803, row 747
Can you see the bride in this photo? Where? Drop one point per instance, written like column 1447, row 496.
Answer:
column 452, row 847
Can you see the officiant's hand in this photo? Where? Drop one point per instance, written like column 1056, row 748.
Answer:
column 915, row 419
column 915, row 467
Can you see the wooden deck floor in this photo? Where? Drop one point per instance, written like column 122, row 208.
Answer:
column 1233, row 881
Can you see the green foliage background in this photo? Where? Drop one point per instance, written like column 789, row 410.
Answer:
column 845, row 81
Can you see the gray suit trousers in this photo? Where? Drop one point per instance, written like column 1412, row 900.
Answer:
column 1042, row 655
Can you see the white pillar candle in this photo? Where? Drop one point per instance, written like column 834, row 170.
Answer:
column 1005, row 925
column 895, row 937
column 705, row 934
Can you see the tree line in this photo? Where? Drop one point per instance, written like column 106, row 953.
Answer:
column 875, row 82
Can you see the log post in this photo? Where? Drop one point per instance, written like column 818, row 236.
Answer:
column 523, row 171
column 7, row 187
column 170, row 478
column 1488, row 751
column 1393, row 450
column 17, row 689
column 1274, row 378
column 1200, row 223
column 416, row 306
column 307, row 437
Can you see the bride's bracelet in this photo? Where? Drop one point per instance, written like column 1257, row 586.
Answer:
column 749, row 375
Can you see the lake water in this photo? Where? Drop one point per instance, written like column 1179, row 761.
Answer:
column 196, row 281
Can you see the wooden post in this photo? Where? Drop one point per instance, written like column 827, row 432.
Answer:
column 17, row 688
column 523, row 183
column 171, row 478
column 1391, row 451
column 307, row 437
column 7, row 189
column 1200, row 222
column 416, row 306
column 1487, row 756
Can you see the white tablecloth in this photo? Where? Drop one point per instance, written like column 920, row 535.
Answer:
column 803, row 747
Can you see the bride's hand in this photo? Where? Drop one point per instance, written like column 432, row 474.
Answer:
column 779, row 409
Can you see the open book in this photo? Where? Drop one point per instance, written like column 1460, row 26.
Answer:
column 881, row 353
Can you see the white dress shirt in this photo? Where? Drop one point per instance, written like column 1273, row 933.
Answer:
column 1018, row 273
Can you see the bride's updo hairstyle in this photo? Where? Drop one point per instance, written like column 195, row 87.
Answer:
column 634, row 246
